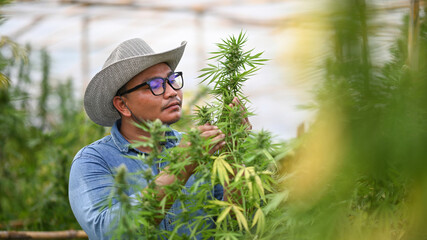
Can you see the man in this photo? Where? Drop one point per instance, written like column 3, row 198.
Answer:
column 136, row 84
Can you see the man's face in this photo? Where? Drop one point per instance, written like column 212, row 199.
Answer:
column 145, row 106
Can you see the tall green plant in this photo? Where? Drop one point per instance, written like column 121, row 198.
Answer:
column 242, row 167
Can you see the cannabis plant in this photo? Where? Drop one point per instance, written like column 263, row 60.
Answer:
column 243, row 168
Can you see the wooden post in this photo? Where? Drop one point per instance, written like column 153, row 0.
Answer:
column 300, row 129
column 414, row 29
column 43, row 235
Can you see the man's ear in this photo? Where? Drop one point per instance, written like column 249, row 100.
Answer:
column 120, row 105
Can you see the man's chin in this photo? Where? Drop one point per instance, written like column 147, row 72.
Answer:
column 172, row 120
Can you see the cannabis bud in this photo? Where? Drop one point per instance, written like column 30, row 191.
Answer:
column 203, row 115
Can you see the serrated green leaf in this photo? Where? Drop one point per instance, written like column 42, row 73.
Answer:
column 223, row 215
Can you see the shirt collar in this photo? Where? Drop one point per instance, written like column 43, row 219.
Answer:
column 121, row 143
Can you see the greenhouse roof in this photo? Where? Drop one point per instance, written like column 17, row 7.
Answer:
column 79, row 34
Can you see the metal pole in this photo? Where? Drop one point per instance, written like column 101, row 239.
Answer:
column 201, row 57
column 84, row 52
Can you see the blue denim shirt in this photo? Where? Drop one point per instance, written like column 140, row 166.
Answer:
column 91, row 180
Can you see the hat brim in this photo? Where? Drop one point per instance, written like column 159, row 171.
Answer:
column 98, row 99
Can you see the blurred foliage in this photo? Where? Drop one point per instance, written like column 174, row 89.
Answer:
column 42, row 126
column 360, row 170
column 10, row 52
column 358, row 173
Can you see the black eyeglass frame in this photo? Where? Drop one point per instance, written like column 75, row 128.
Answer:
column 166, row 79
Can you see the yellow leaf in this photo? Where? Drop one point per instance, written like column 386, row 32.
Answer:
column 4, row 81
column 213, row 172
column 219, row 170
column 238, row 208
column 239, row 174
column 220, row 203
column 227, row 166
column 267, row 172
column 222, row 172
column 247, row 177
column 241, row 220
column 256, row 216
column 260, row 186
column 259, row 219
column 223, row 215
column 251, row 170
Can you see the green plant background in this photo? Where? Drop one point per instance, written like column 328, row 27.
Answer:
column 359, row 171
column 37, row 142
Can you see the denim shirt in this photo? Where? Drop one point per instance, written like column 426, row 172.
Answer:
column 91, row 180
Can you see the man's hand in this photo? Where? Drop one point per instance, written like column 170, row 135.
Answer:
column 212, row 132
column 245, row 120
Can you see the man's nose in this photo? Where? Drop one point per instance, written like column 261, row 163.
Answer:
column 169, row 91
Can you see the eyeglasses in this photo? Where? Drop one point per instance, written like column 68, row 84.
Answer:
column 157, row 85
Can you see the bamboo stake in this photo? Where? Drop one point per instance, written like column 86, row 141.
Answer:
column 414, row 29
column 43, row 235
column 300, row 130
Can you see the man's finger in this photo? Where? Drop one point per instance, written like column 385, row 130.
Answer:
column 206, row 127
column 211, row 133
column 218, row 138
column 245, row 120
column 217, row 147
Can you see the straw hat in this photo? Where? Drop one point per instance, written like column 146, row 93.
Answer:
column 126, row 61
